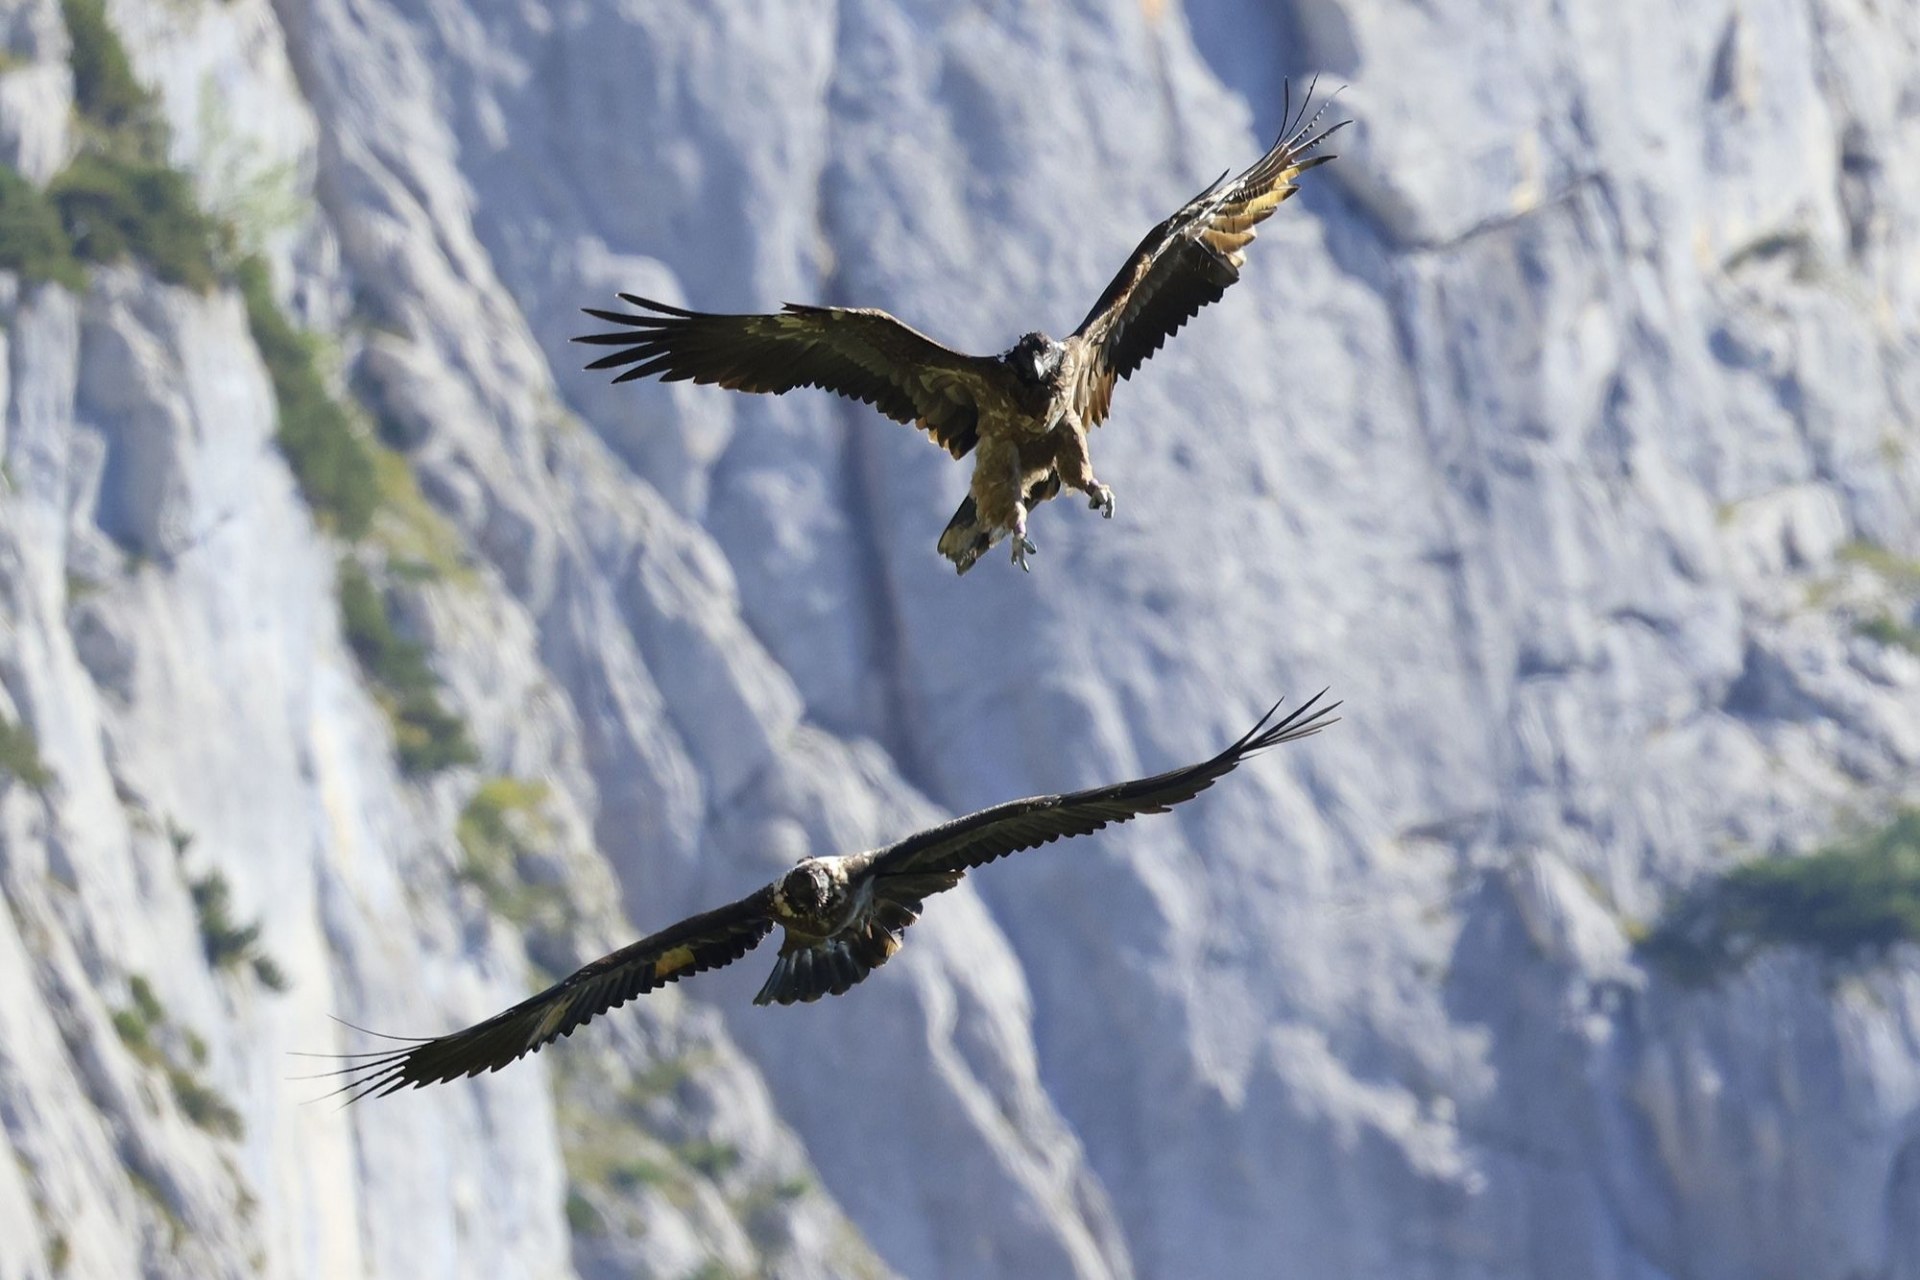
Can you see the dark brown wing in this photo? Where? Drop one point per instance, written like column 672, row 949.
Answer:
column 701, row 942
column 981, row 837
column 862, row 353
column 1188, row 261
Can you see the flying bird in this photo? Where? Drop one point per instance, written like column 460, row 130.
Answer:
column 1024, row 414
column 843, row 916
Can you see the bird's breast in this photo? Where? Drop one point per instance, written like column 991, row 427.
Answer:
column 1038, row 410
column 846, row 902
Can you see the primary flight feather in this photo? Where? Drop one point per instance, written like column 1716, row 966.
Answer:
column 1024, row 414
column 842, row 915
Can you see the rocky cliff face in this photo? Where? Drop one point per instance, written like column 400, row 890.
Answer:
column 1563, row 427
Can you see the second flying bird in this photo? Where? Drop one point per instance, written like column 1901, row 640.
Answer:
column 842, row 916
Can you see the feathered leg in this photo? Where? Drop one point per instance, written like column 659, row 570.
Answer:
column 1022, row 544
column 999, row 494
column 966, row 539
column 1075, row 466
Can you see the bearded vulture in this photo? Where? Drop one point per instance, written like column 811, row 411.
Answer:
column 842, row 915
column 1027, row 410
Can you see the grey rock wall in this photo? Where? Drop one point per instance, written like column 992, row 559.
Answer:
column 1545, row 429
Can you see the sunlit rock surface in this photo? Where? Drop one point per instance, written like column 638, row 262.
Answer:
column 1545, row 428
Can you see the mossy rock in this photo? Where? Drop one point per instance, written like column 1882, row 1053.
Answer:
column 427, row 737
column 1850, row 902
column 115, row 208
column 33, row 242
column 119, row 110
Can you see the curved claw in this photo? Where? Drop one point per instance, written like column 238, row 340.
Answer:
column 1101, row 500
column 1022, row 548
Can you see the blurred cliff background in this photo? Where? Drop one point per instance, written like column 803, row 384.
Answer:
column 362, row 656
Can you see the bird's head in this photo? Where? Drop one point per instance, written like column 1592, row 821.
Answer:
column 1035, row 357
column 808, row 888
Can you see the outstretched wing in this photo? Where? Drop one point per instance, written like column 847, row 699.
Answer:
column 861, row 352
column 1188, row 261
column 702, row 942
column 958, row 846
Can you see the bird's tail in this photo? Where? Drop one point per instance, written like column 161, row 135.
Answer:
column 966, row 539
column 806, row 970
column 810, row 968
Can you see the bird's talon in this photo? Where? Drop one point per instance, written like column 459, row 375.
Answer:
column 1022, row 548
column 1102, row 501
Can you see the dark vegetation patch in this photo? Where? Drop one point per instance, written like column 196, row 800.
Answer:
column 228, row 944
column 20, row 755
column 500, row 830
column 143, row 1026
column 160, row 1201
column 33, row 242
column 427, row 736
column 114, row 107
column 1884, row 629
column 713, row 1159
column 114, row 207
column 582, row 1218
column 59, row 1253
column 1852, row 901
column 119, row 199
column 330, row 456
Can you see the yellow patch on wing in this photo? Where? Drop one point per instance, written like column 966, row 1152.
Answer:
column 673, row 961
column 550, row 1025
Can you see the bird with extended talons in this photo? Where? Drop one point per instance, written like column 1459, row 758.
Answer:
column 1025, row 413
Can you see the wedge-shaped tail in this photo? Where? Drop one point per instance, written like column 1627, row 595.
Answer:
column 966, row 539
column 808, row 969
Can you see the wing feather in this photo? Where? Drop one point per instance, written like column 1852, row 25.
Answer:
column 859, row 352
column 958, row 846
column 696, row 944
column 1190, row 260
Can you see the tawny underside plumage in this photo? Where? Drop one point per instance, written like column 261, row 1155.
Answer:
column 1026, row 412
column 833, row 940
